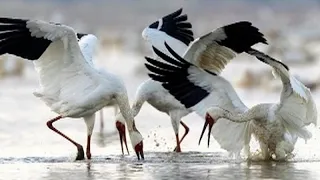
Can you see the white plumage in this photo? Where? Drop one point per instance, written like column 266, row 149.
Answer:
column 206, row 90
column 157, row 39
column 206, row 53
column 276, row 126
column 197, row 85
column 69, row 83
column 173, row 28
column 152, row 92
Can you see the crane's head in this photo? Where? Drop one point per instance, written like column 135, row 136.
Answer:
column 215, row 113
column 212, row 115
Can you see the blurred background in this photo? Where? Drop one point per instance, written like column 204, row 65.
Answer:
column 291, row 27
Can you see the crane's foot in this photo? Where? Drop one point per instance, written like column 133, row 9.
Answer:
column 88, row 155
column 80, row 154
column 177, row 149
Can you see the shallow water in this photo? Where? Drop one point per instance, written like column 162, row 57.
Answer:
column 29, row 150
column 163, row 166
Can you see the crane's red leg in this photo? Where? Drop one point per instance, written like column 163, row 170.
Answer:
column 178, row 148
column 186, row 128
column 88, row 152
column 80, row 155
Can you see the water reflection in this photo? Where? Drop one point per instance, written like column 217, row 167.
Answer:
column 124, row 170
column 96, row 170
column 260, row 170
column 79, row 171
column 89, row 172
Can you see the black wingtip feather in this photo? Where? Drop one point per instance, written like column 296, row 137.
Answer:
column 173, row 23
column 5, row 20
column 16, row 39
column 174, row 54
column 167, row 58
column 162, row 65
column 80, row 35
column 181, row 18
column 173, row 15
column 175, row 78
column 185, row 26
column 240, row 36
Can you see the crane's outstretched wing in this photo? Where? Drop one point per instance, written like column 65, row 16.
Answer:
column 175, row 25
column 213, row 51
column 174, row 28
column 63, row 71
column 198, row 90
column 88, row 43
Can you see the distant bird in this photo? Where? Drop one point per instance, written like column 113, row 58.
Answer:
column 69, row 83
column 198, row 85
column 175, row 28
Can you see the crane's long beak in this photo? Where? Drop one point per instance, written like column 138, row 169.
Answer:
column 139, row 150
column 209, row 121
column 122, row 134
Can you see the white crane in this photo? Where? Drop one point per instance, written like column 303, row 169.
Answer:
column 198, row 85
column 69, row 84
column 174, row 28
column 276, row 125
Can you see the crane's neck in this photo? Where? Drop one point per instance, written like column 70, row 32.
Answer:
column 280, row 69
column 123, row 103
column 136, row 107
column 238, row 118
column 255, row 113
